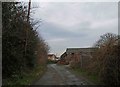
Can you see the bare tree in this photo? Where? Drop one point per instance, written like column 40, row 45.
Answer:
column 106, row 40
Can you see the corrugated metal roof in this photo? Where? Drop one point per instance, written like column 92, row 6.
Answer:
column 74, row 50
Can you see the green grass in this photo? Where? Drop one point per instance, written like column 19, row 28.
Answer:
column 91, row 77
column 27, row 78
column 50, row 62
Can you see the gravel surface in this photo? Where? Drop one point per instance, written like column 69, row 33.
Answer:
column 59, row 75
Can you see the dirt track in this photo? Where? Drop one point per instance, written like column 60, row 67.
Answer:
column 59, row 75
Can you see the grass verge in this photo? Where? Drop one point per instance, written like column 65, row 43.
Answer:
column 51, row 62
column 27, row 78
column 91, row 77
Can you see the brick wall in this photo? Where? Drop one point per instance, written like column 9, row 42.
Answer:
column 78, row 59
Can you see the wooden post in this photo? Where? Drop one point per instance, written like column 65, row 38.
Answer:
column 81, row 60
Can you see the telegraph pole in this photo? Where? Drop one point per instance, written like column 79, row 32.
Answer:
column 29, row 5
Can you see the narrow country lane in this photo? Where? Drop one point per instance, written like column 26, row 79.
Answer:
column 58, row 75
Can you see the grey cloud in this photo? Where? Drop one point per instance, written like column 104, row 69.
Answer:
column 76, row 24
column 56, row 31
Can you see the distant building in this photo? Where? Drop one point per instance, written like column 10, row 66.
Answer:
column 51, row 57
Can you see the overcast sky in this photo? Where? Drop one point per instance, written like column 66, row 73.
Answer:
column 75, row 24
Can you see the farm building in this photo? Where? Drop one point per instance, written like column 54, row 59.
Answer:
column 77, row 56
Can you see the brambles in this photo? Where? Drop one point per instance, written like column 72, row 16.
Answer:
column 105, row 62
